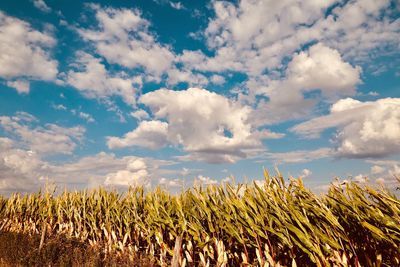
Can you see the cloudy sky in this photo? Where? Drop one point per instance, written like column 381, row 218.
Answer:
column 160, row 92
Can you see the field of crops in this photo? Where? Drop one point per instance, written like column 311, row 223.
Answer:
column 279, row 223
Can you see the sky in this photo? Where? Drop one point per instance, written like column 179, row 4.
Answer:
column 173, row 94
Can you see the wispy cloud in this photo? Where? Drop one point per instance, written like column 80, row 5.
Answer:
column 50, row 139
column 298, row 156
column 41, row 4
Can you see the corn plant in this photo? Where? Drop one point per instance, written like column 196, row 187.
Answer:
column 278, row 223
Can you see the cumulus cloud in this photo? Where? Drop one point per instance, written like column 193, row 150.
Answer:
column 257, row 38
column 241, row 42
column 123, row 38
column 254, row 36
column 21, row 86
column 250, row 36
column 20, row 170
column 305, row 173
column 200, row 119
column 204, row 180
column 135, row 174
column 207, row 125
column 24, row 52
column 386, row 169
column 382, row 173
column 50, row 139
column 105, row 168
column 320, row 68
column 171, row 183
column 94, row 81
column 150, row 134
column 376, row 169
column 25, row 171
column 364, row 129
column 360, row 29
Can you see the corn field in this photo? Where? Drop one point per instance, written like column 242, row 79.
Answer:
column 278, row 223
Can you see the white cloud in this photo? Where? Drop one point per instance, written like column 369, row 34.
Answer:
column 6, row 143
column 41, row 4
column 361, row 28
column 140, row 114
column 380, row 181
column 252, row 36
column 360, row 178
column 376, row 169
column 25, row 171
column 319, row 68
column 86, row 116
column 185, row 172
column 227, row 179
column 323, row 68
column 204, row 180
column 171, row 182
column 176, row 76
column 50, row 139
column 123, row 38
column 386, row 171
column 177, row 5
column 208, row 126
column 135, row 174
column 112, row 106
column 373, row 93
column 297, row 156
column 267, row 134
column 217, row 79
column 19, row 169
column 94, row 81
column 21, row 86
column 364, row 129
column 382, row 172
column 83, row 115
column 384, row 163
column 59, row 107
column 305, row 173
column 198, row 118
column 22, row 161
column 150, row 134
column 24, row 52
column 257, row 38
column 109, row 170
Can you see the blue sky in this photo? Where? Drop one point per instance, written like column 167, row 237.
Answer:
column 118, row 93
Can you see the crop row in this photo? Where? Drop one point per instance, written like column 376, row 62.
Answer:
column 278, row 223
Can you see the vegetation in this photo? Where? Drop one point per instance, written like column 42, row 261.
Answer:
column 275, row 224
column 18, row 249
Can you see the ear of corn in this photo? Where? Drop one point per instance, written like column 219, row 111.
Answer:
column 277, row 224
